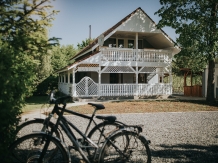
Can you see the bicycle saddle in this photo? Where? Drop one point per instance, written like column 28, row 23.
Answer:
column 107, row 118
column 98, row 106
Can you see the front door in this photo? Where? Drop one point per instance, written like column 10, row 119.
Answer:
column 114, row 78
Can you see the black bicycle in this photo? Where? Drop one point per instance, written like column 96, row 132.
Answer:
column 108, row 125
column 43, row 147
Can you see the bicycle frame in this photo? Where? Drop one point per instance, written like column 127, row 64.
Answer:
column 64, row 123
column 91, row 118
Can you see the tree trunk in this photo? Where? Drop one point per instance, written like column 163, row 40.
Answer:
column 210, row 82
column 211, row 69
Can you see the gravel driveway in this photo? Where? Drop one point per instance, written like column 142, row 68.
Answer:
column 176, row 137
column 180, row 137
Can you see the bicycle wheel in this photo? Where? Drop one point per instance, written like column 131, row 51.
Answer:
column 32, row 126
column 27, row 149
column 125, row 146
column 95, row 133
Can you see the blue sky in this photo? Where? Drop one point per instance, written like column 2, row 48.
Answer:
column 72, row 22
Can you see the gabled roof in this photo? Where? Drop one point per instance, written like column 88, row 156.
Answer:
column 94, row 42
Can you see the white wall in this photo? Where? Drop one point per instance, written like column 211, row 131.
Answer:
column 139, row 22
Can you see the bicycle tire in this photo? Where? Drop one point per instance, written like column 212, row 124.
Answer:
column 32, row 126
column 135, row 149
column 94, row 134
column 27, row 149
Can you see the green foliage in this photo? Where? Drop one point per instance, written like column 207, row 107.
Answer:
column 24, row 47
column 185, row 60
column 196, row 23
column 59, row 58
column 84, row 43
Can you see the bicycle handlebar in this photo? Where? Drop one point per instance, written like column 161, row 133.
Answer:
column 60, row 100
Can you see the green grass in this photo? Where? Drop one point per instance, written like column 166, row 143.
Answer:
column 35, row 102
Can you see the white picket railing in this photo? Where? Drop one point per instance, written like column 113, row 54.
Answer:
column 140, row 55
column 117, row 90
column 135, row 89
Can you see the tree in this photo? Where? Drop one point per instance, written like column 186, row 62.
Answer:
column 59, row 57
column 185, row 60
column 196, row 22
column 23, row 46
column 84, row 43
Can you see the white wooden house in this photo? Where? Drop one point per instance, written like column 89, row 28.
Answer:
column 134, row 59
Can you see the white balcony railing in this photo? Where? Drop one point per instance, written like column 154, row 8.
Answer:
column 140, row 55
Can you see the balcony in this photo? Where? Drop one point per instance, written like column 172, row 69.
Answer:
column 140, row 55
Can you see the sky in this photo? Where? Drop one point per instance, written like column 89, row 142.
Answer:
column 72, row 23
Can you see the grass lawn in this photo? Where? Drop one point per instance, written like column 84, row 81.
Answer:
column 35, row 102
column 145, row 106
column 148, row 107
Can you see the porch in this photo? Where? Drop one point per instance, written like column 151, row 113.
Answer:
column 88, row 88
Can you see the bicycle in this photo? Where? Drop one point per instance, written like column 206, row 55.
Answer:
column 109, row 124
column 48, row 148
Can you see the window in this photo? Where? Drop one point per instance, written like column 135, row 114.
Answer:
column 111, row 42
column 142, row 78
column 130, row 43
column 140, row 44
column 120, row 43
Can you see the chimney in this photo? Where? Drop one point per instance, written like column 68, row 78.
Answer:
column 89, row 32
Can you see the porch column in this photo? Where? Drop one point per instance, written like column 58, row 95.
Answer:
column 136, row 43
column 171, row 83
column 136, row 78
column 74, row 84
column 162, row 77
column 99, row 80
column 64, row 77
column 68, row 79
column 136, row 39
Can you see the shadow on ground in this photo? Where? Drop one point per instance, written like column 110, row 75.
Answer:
column 187, row 153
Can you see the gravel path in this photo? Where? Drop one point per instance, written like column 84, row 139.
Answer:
column 176, row 137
